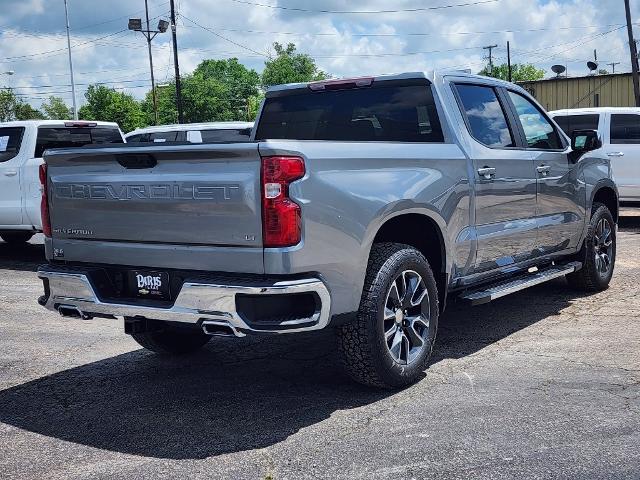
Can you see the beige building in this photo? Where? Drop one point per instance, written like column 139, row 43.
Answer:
column 579, row 92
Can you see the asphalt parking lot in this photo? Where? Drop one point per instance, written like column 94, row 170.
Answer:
column 542, row 384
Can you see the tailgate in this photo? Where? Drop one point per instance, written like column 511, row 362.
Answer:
column 201, row 195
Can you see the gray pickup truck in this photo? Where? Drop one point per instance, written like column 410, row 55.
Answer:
column 359, row 205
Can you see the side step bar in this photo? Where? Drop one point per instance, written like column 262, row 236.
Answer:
column 498, row 290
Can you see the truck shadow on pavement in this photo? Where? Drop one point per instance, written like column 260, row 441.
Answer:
column 235, row 395
column 25, row 257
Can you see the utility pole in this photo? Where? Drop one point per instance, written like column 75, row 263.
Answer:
column 153, row 80
column 73, row 83
column 613, row 66
column 176, row 66
column 135, row 24
column 634, row 55
column 490, row 48
column 509, row 61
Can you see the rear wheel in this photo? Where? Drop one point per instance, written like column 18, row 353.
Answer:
column 16, row 238
column 169, row 340
column 599, row 252
column 389, row 343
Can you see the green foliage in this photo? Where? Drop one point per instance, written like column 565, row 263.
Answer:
column 14, row 108
column 217, row 90
column 290, row 67
column 56, row 109
column 108, row 105
column 520, row 72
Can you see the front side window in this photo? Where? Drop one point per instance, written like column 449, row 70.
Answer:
column 382, row 112
column 10, row 142
column 571, row 123
column 538, row 130
column 486, row 117
column 161, row 137
column 625, row 129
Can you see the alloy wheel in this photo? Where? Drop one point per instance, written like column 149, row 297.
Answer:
column 603, row 247
column 406, row 317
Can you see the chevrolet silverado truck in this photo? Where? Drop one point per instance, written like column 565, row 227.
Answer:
column 359, row 205
column 22, row 144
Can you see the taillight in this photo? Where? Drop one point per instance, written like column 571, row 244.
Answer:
column 281, row 217
column 44, row 202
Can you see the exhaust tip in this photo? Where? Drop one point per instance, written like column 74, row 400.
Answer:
column 220, row 329
column 69, row 311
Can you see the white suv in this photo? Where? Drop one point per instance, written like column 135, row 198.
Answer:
column 619, row 130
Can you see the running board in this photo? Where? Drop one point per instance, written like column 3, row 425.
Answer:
column 492, row 292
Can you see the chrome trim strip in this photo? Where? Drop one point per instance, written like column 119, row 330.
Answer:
column 196, row 302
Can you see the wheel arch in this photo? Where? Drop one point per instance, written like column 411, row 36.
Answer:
column 606, row 194
column 421, row 231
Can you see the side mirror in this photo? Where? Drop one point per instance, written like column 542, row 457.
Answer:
column 583, row 141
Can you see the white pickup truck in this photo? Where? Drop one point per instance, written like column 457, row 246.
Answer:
column 21, row 147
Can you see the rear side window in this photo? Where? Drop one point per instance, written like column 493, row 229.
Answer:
column 485, row 115
column 67, row 137
column 378, row 113
column 10, row 142
column 227, row 135
column 571, row 123
column 625, row 129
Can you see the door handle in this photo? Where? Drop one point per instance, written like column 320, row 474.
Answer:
column 616, row 154
column 487, row 172
column 10, row 173
column 543, row 170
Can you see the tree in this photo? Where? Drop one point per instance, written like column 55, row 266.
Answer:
column 24, row 111
column 520, row 72
column 56, row 109
column 290, row 67
column 109, row 105
column 217, row 90
column 14, row 108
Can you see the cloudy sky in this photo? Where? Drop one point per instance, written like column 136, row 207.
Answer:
column 346, row 38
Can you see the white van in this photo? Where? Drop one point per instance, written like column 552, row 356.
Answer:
column 21, row 146
column 619, row 130
column 213, row 132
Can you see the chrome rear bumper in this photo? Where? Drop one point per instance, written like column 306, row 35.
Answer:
column 71, row 293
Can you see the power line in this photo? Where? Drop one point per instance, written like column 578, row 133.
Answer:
column 404, row 10
column 408, row 34
column 223, row 37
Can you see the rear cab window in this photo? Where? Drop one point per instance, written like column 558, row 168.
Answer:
column 10, row 142
column 75, row 136
column 225, row 135
column 391, row 110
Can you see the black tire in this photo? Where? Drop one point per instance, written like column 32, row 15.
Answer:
column 16, row 238
column 366, row 353
column 593, row 277
column 169, row 340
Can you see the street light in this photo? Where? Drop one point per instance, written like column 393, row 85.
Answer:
column 135, row 24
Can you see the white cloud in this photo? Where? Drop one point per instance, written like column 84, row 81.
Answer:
column 122, row 58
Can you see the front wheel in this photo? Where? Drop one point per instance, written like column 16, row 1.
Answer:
column 389, row 343
column 169, row 340
column 599, row 252
column 16, row 238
